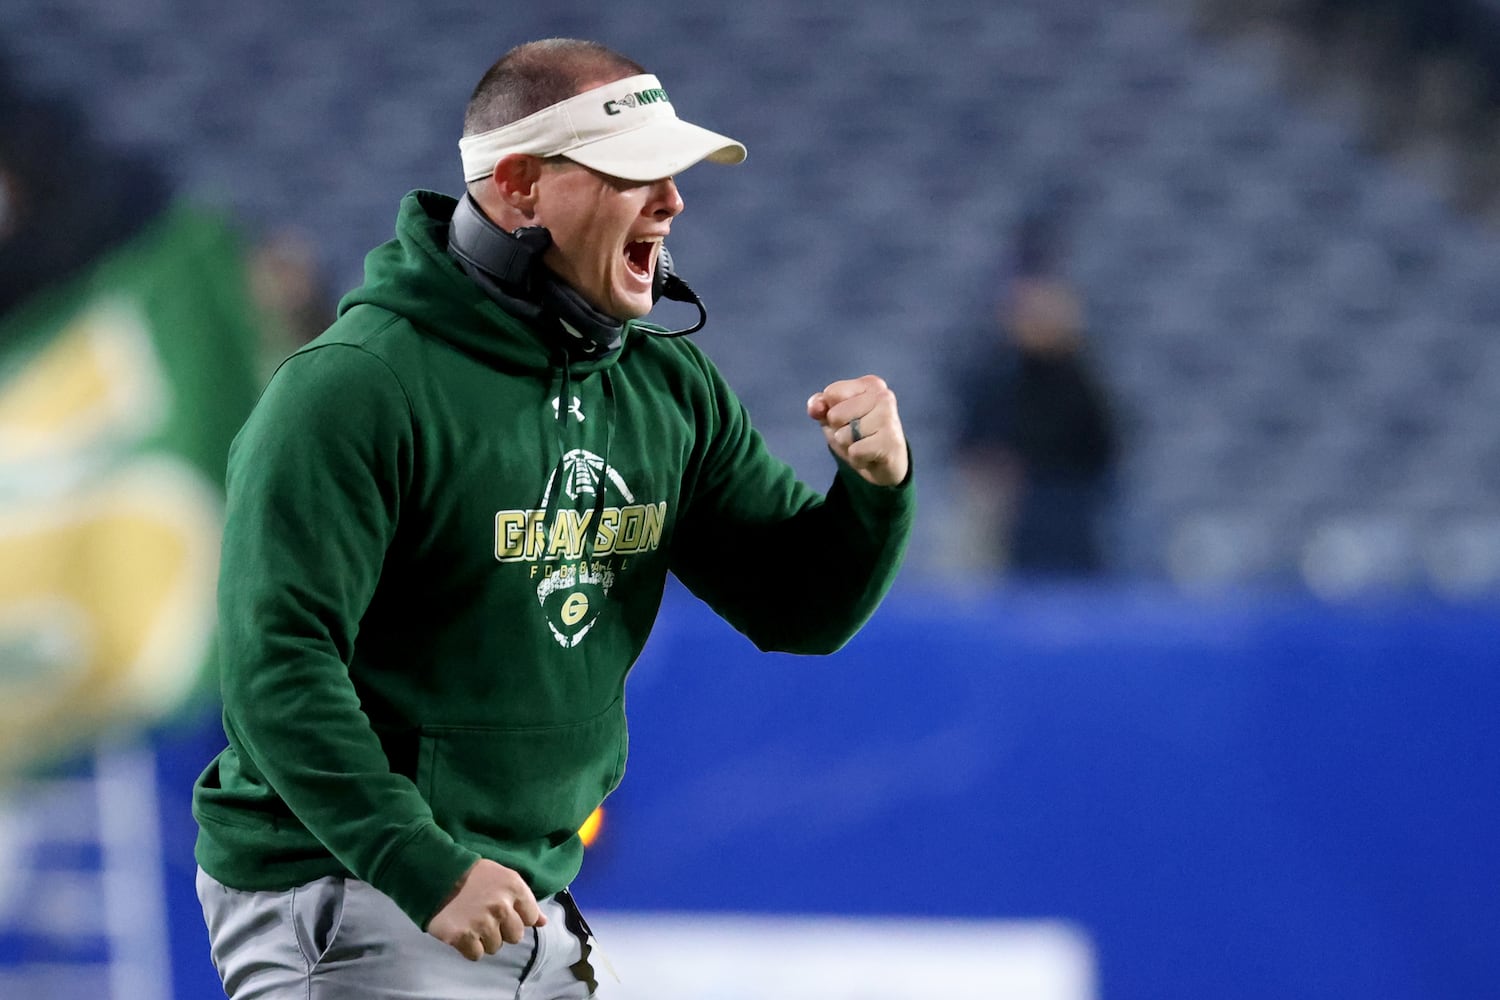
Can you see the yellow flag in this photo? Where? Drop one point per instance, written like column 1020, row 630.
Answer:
column 119, row 395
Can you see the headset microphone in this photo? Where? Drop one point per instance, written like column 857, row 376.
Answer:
column 667, row 285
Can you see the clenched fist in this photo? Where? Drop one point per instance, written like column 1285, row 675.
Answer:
column 491, row 906
column 862, row 427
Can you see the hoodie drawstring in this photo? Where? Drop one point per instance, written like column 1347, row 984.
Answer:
column 554, row 487
column 555, row 483
column 609, row 440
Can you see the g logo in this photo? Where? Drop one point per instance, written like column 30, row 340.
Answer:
column 571, row 596
column 574, row 609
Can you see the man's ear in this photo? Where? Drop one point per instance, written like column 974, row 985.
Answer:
column 514, row 182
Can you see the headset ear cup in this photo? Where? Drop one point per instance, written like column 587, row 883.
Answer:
column 535, row 238
column 663, row 273
column 507, row 258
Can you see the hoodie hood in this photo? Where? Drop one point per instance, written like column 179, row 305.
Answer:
column 414, row 277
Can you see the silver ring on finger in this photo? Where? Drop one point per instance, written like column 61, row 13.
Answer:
column 854, row 429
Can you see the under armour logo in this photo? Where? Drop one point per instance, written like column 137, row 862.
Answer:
column 575, row 409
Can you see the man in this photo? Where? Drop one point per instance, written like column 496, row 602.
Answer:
column 1045, row 444
column 450, row 521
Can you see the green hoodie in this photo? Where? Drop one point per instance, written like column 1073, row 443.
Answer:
column 435, row 579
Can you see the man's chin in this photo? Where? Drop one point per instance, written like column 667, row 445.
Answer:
column 627, row 308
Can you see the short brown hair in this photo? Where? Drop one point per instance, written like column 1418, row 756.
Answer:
column 537, row 75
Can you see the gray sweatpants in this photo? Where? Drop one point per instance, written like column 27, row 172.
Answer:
column 341, row 939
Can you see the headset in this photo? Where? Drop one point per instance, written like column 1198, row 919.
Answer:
column 512, row 264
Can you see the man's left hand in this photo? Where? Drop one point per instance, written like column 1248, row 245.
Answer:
column 863, row 407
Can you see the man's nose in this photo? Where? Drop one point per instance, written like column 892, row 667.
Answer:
column 666, row 201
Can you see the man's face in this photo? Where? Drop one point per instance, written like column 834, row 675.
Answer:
column 606, row 234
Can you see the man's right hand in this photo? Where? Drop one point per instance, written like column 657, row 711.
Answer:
column 491, row 906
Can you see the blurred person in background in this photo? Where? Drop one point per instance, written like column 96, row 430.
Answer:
column 65, row 201
column 1037, row 442
column 450, row 521
column 288, row 284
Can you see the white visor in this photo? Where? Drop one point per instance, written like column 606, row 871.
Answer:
column 626, row 129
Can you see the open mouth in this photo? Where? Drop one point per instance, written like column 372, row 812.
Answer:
column 638, row 257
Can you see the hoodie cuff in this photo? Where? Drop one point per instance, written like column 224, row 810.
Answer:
column 888, row 501
column 421, row 873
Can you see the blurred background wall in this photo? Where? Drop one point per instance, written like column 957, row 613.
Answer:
column 1237, row 745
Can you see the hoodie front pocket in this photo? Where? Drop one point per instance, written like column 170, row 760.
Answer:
column 517, row 786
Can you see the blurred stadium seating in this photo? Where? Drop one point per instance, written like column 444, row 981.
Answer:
column 1299, row 331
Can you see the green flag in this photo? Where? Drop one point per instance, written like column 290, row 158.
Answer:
column 119, row 395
